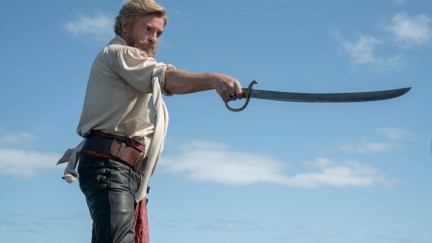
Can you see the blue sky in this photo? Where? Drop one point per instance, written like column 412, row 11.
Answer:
column 276, row 172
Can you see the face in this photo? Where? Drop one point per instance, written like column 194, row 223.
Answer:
column 144, row 33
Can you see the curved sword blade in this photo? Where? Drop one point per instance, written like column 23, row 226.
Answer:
column 328, row 97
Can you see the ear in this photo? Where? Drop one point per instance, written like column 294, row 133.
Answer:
column 124, row 26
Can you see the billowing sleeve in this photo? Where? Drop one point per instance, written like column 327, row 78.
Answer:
column 134, row 66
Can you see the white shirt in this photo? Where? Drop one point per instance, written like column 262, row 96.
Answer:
column 124, row 98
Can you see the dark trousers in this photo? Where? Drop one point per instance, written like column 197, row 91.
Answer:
column 109, row 187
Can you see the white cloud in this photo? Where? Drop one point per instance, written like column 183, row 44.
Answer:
column 410, row 30
column 26, row 164
column 362, row 51
column 334, row 174
column 398, row 2
column 324, row 233
column 17, row 138
column 230, row 225
column 99, row 27
column 366, row 147
column 396, row 237
column 396, row 134
column 23, row 163
column 216, row 163
column 302, row 231
column 402, row 29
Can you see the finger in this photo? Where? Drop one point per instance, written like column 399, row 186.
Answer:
column 223, row 92
column 238, row 90
column 224, row 96
column 232, row 95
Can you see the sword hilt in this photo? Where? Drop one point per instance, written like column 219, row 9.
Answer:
column 246, row 94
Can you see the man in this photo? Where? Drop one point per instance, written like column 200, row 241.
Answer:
column 124, row 121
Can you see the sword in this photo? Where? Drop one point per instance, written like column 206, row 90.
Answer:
column 249, row 93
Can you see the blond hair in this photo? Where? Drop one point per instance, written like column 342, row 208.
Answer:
column 133, row 8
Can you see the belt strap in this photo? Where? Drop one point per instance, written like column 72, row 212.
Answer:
column 112, row 148
column 127, row 140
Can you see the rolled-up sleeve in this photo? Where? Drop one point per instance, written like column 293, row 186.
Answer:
column 159, row 72
column 134, row 66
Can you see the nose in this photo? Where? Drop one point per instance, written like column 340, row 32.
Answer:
column 152, row 38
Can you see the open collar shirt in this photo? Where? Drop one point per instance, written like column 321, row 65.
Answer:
column 124, row 98
column 118, row 92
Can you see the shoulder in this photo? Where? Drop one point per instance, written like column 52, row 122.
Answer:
column 125, row 52
column 118, row 46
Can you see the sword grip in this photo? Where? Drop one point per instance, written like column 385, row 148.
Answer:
column 246, row 94
column 245, row 90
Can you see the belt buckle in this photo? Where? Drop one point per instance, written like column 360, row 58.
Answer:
column 139, row 162
column 117, row 148
column 127, row 154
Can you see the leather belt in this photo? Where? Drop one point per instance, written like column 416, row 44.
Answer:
column 122, row 149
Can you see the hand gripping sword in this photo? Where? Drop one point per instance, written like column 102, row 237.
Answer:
column 249, row 93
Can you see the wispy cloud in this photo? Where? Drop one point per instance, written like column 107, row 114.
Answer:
column 229, row 225
column 38, row 223
column 363, row 51
column 217, row 163
column 99, row 27
column 303, row 232
column 401, row 30
column 398, row 2
column 396, row 134
column 324, row 233
column 410, row 30
column 396, row 237
column 23, row 163
column 394, row 139
column 332, row 174
column 366, row 147
column 17, row 138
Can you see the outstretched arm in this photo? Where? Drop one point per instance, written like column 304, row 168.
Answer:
column 184, row 82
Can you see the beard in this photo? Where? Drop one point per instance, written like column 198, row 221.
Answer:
column 150, row 49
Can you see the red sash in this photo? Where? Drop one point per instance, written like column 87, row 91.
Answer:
column 141, row 223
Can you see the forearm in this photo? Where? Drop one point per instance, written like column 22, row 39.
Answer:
column 184, row 82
